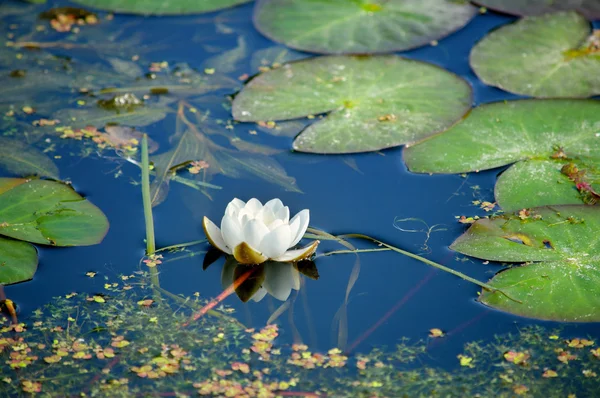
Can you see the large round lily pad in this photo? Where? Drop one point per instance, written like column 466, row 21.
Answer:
column 18, row 261
column 553, row 55
column 538, row 132
column 49, row 213
column 563, row 282
column 161, row 7
column 22, row 159
column 372, row 102
column 589, row 8
column 359, row 26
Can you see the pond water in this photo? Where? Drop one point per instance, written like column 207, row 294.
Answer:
column 394, row 297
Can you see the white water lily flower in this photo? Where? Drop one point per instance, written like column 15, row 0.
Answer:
column 254, row 233
column 279, row 279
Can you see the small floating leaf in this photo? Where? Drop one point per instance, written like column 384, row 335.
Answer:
column 563, row 282
column 373, row 102
column 18, row 261
column 589, row 8
column 22, row 159
column 554, row 55
column 50, row 213
column 161, row 7
column 359, row 26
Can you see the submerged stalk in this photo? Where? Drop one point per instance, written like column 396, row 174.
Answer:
column 433, row 264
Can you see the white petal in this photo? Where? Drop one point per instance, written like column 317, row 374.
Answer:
column 266, row 215
column 253, row 206
column 276, row 242
column 279, row 280
column 260, row 294
column 231, row 231
column 283, row 214
column 214, row 236
column 298, row 226
column 275, row 224
column 234, row 206
column 254, row 232
column 298, row 254
column 274, row 205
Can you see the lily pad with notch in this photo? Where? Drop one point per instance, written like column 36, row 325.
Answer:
column 552, row 55
column 161, row 7
column 359, row 26
column 589, row 8
column 49, row 213
column 558, row 250
column 372, row 102
column 537, row 132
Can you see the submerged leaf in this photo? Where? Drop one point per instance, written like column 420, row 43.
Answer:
column 563, row 282
column 18, row 261
column 359, row 26
column 50, row 213
column 373, row 102
column 24, row 160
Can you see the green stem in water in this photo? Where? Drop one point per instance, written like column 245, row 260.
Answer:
column 149, row 219
column 433, row 264
column 381, row 249
column 150, row 245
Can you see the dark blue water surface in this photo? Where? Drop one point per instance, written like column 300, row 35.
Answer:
column 409, row 296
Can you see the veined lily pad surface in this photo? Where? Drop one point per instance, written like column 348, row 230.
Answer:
column 359, row 26
column 589, row 8
column 545, row 134
column 371, row 102
column 563, row 281
column 19, row 261
column 161, row 7
column 49, row 213
column 552, row 55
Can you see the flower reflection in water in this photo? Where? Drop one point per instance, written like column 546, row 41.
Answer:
column 275, row 278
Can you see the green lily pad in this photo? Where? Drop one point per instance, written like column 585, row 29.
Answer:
column 98, row 117
column 359, row 26
column 553, row 55
column 563, row 282
column 18, row 261
column 161, row 7
column 49, row 213
column 372, row 102
column 501, row 133
column 541, row 183
column 589, row 8
column 22, row 159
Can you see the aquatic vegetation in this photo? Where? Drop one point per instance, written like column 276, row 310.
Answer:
column 254, row 233
column 370, row 102
column 366, row 26
column 21, row 159
column 128, row 344
column 546, row 56
column 557, row 251
column 541, row 136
